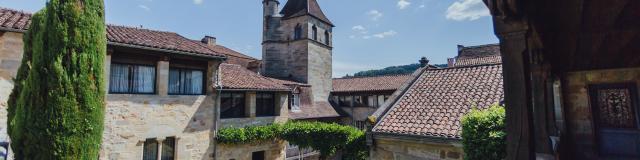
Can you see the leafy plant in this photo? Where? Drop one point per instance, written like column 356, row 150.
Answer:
column 324, row 137
column 483, row 134
column 56, row 109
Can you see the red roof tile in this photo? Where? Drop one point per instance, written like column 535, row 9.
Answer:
column 478, row 55
column 364, row 84
column 14, row 20
column 237, row 77
column 295, row 8
column 436, row 101
column 461, row 62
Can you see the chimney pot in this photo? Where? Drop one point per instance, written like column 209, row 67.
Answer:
column 209, row 40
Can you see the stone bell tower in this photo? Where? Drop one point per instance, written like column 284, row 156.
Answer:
column 297, row 45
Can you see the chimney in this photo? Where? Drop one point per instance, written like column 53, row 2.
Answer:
column 424, row 62
column 460, row 48
column 270, row 8
column 209, row 40
column 451, row 62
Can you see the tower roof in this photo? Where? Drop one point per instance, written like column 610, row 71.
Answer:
column 295, row 8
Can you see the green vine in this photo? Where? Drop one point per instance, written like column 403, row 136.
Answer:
column 326, row 138
column 483, row 134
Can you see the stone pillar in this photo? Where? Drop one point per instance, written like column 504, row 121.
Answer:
column 250, row 104
column 160, row 140
column 107, row 69
column 162, row 77
column 282, row 104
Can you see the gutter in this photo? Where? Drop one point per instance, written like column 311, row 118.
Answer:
column 167, row 51
column 417, row 138
column 12, row 30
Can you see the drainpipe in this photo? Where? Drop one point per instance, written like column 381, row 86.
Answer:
column 216, row 115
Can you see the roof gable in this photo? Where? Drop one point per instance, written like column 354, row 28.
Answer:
column 435, row 102
column 295, row 8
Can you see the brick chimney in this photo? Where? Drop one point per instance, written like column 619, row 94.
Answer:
column 209, row 40
column 424, row 62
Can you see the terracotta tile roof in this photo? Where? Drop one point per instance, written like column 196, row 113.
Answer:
column 477, row 55
column 295, row 8
column 364, row 84
column 14, row 20
column 226, row 51
column 237, row 77
column 156, row 39
column 436, row 101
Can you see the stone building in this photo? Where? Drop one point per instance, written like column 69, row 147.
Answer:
column 422, row 118
column 359, row 97
column 297, row 46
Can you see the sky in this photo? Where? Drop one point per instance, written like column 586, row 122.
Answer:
column 369, row 34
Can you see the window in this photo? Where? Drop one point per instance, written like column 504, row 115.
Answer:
column 373, row 101
column 297, row 33
column 295, row 102
column 326, row 37
column 257, row 155
column 133, row 79
column 186, row 81
column 315, row 33
column 265, row 105
column 150, row 150
column 360, row 101
column 348, row 101
column 232, row 105
column 168, row 148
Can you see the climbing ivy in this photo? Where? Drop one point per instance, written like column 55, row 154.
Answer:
column 56, row 108
column 327, row 138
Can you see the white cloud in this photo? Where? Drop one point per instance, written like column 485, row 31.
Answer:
column 385, row 34
column 421, row 6
column 360, row 29
column 144, row 7
column 198, row 1
column 467, row 10
column 374, row 14
column 402, row 4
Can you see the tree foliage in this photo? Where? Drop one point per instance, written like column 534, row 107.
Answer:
column 323, row 137
column 56, row 108
column 484, row 135
column 393, row 70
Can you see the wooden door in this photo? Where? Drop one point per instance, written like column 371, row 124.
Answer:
column 615, row 112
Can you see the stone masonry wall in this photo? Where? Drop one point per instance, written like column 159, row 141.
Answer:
column 11, row 49
column 392, row 149
column 577, row 105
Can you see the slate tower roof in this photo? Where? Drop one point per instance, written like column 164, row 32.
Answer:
column 295, row 8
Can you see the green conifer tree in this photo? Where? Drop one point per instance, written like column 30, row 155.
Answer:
column 56, row 109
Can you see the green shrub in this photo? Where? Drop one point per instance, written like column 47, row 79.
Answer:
column 324, row 137
column 56, row 109
column 483, row 134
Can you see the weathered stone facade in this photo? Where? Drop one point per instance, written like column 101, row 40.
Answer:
column 387, row 148
column 578, row 111
column 11, row 48
column 302, row 59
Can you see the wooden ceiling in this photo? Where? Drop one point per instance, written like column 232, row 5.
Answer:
column 587, row 34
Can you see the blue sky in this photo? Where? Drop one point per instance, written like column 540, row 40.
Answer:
column 369, row 34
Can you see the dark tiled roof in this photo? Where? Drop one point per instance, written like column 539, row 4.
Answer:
column 14, row 20
column 120, row 35
column 479, row 51
column 295, row 8
column 461, row 62
column 314, row 110
column 237, row 77
column 436, row 101
column 156, row 39
column 364, row 84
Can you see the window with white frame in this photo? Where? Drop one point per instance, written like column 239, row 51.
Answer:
column 165, row 152
column 295, row 102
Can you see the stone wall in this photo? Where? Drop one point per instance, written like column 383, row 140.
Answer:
column 11, row 49
column 274, row 150
column 397, row 149
column 577, row 105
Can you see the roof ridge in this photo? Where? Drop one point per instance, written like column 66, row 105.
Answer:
column 14, row 10
column 148, row 29
column 480, row 46
column 467, row 66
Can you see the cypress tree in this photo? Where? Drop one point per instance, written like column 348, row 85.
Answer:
column 56, row 109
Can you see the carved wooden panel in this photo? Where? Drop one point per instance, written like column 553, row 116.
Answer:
column 616, row 110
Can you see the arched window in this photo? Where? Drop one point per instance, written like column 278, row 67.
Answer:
column 326, row 37
column 297, row 33
column 315, row 33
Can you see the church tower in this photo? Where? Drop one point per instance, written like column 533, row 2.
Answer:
column 297, row 45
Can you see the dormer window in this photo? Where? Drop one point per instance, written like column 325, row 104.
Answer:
column 326, row 37
column 315, row 33
column 297, row 33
